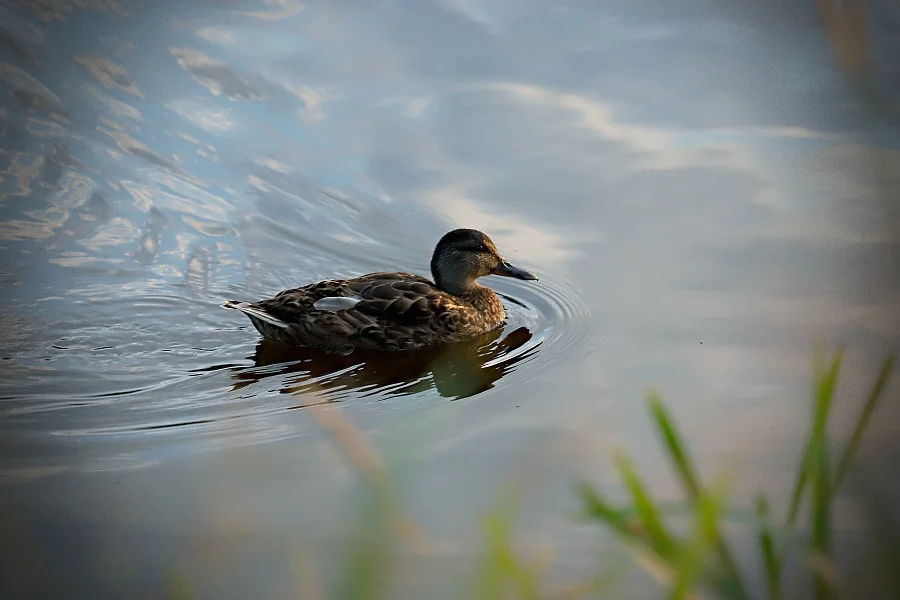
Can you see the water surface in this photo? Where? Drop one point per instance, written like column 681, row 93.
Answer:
column 701, row 191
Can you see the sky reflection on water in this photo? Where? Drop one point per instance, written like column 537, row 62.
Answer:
column 702, row 192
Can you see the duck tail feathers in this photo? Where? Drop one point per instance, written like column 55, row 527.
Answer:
column 254, row 312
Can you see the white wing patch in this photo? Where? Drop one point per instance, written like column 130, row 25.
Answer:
column 336, row 303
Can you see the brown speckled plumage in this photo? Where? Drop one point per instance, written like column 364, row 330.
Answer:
column 393, row 311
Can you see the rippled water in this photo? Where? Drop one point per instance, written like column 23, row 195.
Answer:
column 701, row 191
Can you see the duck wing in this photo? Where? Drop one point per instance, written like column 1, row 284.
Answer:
column 397, row 297
column 394, row 311
column 391, row 298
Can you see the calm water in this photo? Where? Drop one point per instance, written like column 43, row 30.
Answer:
column 702, row 192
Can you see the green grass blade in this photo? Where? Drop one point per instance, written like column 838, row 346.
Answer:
column 673, row 444
column 823, row 394
column 691, row 483
column 818, row 472
column 826, row 575
column 853, row 446
column 799, row 489
column 694, row 553
column 501, row 565
column 370, row 554
column 634, row 540
column 600, row 510
column 660, row 539
column 820, row 541
column 179, row 588
column 492, row 576
column 771, row 562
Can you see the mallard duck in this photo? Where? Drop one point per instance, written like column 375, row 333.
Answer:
column 393, row 311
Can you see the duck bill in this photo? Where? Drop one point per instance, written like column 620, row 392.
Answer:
column 504, row 269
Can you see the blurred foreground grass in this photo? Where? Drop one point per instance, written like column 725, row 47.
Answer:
column 701, row 559
column 795, row 554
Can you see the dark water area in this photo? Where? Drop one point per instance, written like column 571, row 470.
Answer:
column 706, row 190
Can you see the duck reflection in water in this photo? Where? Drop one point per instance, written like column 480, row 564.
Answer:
column 454, row 370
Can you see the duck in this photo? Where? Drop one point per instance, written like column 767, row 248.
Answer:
column 393, row 311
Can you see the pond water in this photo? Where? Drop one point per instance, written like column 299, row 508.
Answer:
column 702, row 192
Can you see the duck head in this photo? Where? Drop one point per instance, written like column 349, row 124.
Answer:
column 464, row 255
